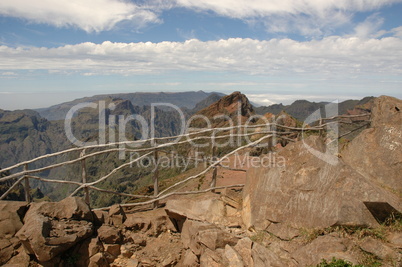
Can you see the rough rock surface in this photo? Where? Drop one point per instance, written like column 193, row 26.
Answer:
column 207, row 207
column 324, row 247
column 377, row 152
column 11, row 214
column 309, row 192
column 52, row 228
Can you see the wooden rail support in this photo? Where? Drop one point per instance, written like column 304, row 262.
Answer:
column 84, row 177
column 156, row 178
column 26, row 186
column 215, row 169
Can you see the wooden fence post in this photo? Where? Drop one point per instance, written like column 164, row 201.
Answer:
column 215, row 169
column 156, row 177
column 84, row 177
column 320, row 132
column 26, row 186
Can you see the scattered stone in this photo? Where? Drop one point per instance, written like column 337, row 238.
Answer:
column 98, row 260
column 204, row 207
column 87, row 249
column 109, row 234
column 117, row 215
column 395, row 239
column 211, row 258
column 198, row 235
column 243, row 247
column 125, row 251
column 232, row 197
column 22, row 259
column 189, row 259
column 263, row 257
column 100, row 217
column 113, row 249
column 283, row 231
column 323, row 247
column 153, row 222
column 234, row 259
column 139, row 239
column 376, row 247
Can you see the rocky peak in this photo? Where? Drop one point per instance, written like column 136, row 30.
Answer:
column 231, row 105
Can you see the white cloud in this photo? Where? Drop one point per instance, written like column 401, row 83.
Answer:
column 8, row 73
column 370, row 27
column 307, row 17
column 286, row 99
column 89, row 15
column 259, row 8
column 397, row 32
column 328, row 58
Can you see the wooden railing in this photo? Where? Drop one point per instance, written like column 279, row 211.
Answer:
column 270, row 132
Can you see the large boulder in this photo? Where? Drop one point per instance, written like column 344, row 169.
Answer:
column 11, row 213
column 51, row 228
column 309, row 192
column 377, row 152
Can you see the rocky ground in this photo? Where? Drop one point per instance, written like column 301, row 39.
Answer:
column 293, row 215
column 205, row 230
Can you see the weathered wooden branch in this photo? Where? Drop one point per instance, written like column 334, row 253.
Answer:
column 12, row 188
column 26, row 186
column 117, row 193
column 84, row 177
column 214, row 164
column 110, row 173
column 174, row 194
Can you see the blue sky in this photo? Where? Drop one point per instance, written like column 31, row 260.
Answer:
column 275, row 51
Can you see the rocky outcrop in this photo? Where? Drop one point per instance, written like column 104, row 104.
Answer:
column 209, row 207
column 310, row 192
column 377, row 152
column 52, row 228
column 11, row 214
column 234, row 106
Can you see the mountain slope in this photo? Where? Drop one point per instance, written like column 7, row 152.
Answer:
column 301, row 109
column 180, row 99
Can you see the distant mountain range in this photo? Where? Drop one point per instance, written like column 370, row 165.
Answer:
column 26, row 134
column 187, row 100
column 301, row 109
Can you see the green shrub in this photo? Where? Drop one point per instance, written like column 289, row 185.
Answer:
column 336, row 263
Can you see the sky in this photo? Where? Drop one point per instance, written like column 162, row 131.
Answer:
column 274, row 51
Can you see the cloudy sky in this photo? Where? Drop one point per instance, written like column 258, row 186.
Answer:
column 272, row 50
